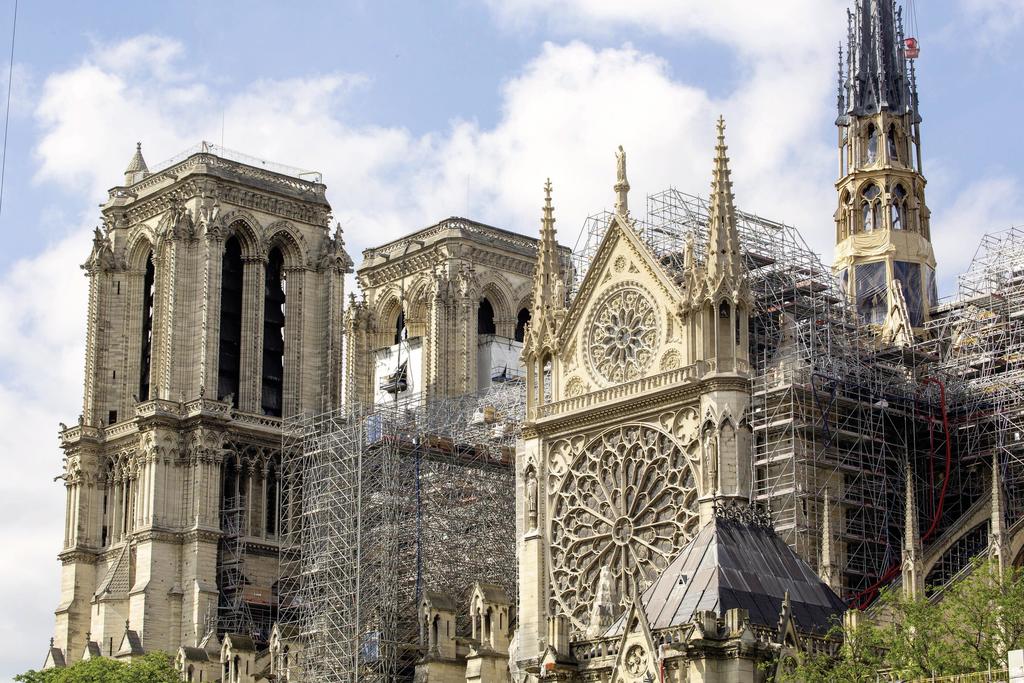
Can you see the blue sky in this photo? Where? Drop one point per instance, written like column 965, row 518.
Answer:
column 415, row 111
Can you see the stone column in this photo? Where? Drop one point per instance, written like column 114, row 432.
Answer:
column 253, row 283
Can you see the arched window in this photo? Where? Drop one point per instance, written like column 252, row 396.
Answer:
column 898, row 208
column 229, row 368
column 894, row 154
column 521, row 320
column 148, row 295
column 485, row 318
column 872, row 146
column 843, row 215
column 273, row 335
column 400, row 331
column 871, row 208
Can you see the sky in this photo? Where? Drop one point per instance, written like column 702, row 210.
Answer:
column 416, row 111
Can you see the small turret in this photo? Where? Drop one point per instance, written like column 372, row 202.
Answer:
column 137, row 169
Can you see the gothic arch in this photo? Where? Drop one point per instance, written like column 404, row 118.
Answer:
column 497, row 289
column 284, row 236
column 140, row 245
column 247, row 229
column 387, row 316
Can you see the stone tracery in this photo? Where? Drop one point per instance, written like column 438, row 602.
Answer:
column 624, row 335
column 629, row 503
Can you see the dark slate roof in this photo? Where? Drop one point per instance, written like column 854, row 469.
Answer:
column 131, row 644
column 729, row 564
column 196, row 654
column 493, row 593
column 440, row 601
column 241, row 642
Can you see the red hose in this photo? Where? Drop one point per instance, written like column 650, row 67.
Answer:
column 864, row 597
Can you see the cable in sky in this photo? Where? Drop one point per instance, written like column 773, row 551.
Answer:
column 7, row 113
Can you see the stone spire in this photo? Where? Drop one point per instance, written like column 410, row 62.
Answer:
column 876, row 77
column 621, row 184
column 912, row 579
column 548, row 283
column 723, row 241
column 137, row 169
column 1000, row 534
column 548, row 287
column 828, row 570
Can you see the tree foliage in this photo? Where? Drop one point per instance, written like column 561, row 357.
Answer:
column 971, row 628
column 152, row 668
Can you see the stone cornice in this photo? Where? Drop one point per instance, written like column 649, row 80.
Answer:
column 375, row 273
column 648, row 393
column 312, row 212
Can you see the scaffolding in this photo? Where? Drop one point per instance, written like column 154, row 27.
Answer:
column 830, row 408
column 384, row 502
column 977, row 340
column 233, row 612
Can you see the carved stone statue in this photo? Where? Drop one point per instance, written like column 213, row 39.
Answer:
column 711, row 462
column 621, row 183
column 531, row 498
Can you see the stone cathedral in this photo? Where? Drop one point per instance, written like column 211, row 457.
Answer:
column 717, row 456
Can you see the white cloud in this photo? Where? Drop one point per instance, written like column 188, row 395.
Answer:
column 993, row 23
column 41, row 353
column 984, row 206
column 782, row 30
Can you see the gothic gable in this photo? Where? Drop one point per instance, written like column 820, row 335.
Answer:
column 622, row 324
column 636, row 660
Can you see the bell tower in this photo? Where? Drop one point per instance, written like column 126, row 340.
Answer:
column 883, row 258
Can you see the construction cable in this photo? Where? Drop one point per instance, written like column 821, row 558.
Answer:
column 7, row 112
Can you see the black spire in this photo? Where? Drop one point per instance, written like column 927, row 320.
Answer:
column 877, row 67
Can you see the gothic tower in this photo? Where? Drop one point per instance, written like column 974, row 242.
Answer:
column 215, row 300
column 444, row 313
column 883, row 257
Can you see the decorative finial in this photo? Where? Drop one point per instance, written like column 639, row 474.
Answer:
column 547, row 191
column 621, row 184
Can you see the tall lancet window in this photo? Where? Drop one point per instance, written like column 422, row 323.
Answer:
column 273, row 335
column 485, row 318
column 148, row 295
column 894, row 153
column 872, row 145
column 229, row 368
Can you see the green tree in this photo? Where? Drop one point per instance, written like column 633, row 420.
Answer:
column 971, row 628
column 152, row 668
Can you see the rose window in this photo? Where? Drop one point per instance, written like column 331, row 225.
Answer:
column 624, row 336
column 628, row 502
